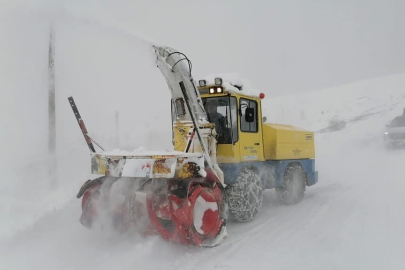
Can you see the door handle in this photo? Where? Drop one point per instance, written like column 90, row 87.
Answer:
column 257, row 143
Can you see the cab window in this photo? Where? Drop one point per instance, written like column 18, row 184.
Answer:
column 222, row 111
column 244, row 125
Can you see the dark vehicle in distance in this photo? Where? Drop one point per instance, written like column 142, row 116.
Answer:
column 394, row 135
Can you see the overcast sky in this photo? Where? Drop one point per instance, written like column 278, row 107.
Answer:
column 281, row 47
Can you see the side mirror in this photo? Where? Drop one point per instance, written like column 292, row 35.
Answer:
column 250, row 115
column 264, row 119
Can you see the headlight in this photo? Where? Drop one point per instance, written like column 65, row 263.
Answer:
column 385, row 133
column 216, row 90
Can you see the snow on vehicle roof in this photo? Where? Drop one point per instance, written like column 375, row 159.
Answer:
column 232, row 82
column 141, row 151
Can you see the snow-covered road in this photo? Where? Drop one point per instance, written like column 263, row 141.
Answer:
column 352, row 219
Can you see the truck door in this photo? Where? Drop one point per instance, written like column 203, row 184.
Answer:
column 250, row 139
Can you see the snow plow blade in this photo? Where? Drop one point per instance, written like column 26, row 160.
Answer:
column 171, row 195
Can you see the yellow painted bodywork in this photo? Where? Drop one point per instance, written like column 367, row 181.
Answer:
column 251, row 143
column 180, row 133
column 228, row 153
column 287, row 142
column 270, row 142
column 249, row 147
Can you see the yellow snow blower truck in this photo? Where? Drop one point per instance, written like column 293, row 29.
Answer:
column 224, row 157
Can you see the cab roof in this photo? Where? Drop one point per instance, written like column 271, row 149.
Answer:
column 229, row 82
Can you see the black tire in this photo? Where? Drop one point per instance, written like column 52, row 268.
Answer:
column 245, row 197
column 293, row 189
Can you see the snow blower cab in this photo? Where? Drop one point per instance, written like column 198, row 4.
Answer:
column 254, row 155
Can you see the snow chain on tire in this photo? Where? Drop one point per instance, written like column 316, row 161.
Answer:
column 292, row 191
column 245, row 197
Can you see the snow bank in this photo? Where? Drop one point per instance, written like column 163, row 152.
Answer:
column 114, row 81
column 317, row 110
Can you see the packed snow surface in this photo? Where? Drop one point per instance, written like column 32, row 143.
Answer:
column 353, row 218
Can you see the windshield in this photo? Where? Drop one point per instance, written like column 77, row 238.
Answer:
column 398, row 121
column 221, row 111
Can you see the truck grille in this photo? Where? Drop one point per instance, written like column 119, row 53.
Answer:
column 397, row 136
